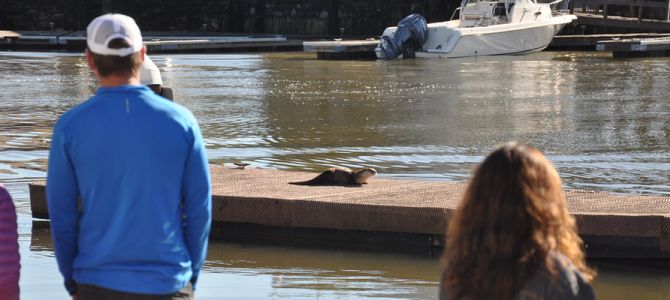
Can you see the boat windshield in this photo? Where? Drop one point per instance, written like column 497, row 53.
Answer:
column 507, row 2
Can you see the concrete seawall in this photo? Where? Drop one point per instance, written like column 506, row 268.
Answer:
column 259, row 204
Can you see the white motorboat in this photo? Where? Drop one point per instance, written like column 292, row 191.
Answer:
column 502, row 27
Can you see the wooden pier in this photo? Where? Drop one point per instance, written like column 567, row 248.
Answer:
column 342, row 50
column 259, row 204
column 620, row 22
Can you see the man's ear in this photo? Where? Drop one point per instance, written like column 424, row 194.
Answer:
column 90, row 62
column 143, row 52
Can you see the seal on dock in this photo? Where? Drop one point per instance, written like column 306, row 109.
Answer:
column 340, row 176
column 240, row 165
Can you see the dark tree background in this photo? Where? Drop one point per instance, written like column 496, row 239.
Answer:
column 301, row 17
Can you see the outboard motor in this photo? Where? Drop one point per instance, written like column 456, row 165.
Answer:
column 410, row 36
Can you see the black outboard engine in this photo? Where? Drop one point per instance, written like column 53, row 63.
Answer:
column 410, row 36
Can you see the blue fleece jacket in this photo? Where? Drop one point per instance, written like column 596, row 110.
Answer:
column 138, row 165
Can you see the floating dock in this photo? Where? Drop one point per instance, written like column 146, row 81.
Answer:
column 342, row 50
column 260, row 205
column 156, row 43
column 589, row 42
column 8, row 34
column 221, row 44
column 645, row 47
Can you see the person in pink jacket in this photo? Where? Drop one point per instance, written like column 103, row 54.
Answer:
column 9, row 248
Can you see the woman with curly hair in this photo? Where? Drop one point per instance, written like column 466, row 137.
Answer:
column 512, row 236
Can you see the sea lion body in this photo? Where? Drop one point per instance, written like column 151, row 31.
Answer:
column 340, row 176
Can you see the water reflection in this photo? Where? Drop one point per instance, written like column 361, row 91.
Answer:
column 266, row 271
column 351, row 275
column 450, row 112
column 432, row 119
column 261, row 271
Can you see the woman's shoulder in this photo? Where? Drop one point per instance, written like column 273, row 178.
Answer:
column 5, row 198
column 566, row 282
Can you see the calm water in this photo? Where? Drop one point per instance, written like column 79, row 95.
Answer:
column 605, row 124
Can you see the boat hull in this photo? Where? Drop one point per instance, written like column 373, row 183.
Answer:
column 448, row 40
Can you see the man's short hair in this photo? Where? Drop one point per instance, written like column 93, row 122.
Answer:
column 117, row 65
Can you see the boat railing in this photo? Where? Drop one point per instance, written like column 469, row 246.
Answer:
column 457, row 10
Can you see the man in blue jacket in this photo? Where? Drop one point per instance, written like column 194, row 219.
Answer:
column 128, row 182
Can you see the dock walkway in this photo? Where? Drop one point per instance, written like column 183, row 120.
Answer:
column 260, row 204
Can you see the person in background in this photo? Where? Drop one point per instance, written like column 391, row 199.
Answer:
column 150, row 76
column 512, row 236
column 9, row 248
column 137, row 163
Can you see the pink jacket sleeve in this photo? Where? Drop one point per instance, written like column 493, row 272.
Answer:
column 9, row 248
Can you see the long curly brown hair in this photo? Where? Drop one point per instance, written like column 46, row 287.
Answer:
column 512, row 216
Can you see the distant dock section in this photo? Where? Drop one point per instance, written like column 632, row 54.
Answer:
column 187, row 43
column 218, row 44
column 6, row 34
column 590, row 42
column 648, row 47
column 342, row 50
column 44, row 41
column 259, row 205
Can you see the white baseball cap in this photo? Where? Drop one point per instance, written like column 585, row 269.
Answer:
column 107, row 27
column 149, row 73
